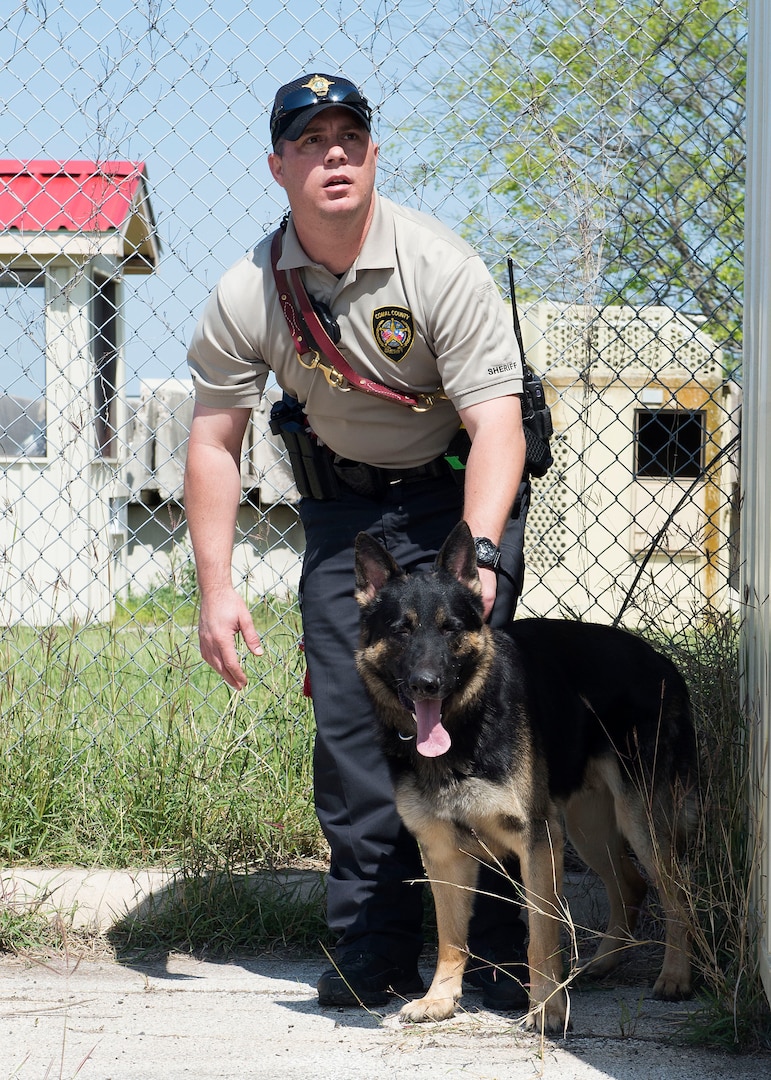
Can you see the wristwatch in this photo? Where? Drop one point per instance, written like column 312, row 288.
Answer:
column 488, row 555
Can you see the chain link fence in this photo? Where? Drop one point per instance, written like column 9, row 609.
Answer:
column 599, row 145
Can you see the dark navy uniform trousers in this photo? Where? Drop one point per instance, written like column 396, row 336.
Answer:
column 371, row 903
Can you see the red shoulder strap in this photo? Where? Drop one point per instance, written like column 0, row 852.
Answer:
column 337, row 371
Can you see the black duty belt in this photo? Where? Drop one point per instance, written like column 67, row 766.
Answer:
column 373, row 482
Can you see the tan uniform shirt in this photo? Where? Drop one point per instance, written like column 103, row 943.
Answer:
column 418, row 310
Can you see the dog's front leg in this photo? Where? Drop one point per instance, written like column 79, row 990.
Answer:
column 541, row 866
column 453, row 875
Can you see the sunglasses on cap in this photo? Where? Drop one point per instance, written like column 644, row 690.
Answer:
column 319, row 90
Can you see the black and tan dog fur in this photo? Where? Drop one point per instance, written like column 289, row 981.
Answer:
column 497, row 740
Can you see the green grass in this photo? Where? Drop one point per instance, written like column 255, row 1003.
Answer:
column 25, row 930
column 119, row 747
column 224, row 913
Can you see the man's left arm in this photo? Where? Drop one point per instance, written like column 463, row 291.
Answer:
column 493, row 473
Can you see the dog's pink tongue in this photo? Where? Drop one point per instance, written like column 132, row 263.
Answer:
column 433, row 739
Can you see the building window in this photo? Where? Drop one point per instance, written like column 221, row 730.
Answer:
column 669, row 443
column 23, row 351
column 104, row 317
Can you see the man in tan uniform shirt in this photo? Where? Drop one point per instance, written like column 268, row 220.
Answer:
column 418, row 311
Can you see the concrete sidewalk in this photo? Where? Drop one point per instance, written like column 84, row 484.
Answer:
column 259, row 1018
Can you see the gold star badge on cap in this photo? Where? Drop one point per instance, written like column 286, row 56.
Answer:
column 318, row 85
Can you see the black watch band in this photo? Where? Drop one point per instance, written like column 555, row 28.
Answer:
column 488, row 555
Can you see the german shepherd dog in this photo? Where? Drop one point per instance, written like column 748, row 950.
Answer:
column 497, row 738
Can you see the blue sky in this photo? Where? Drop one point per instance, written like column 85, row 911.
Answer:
column 187, row 88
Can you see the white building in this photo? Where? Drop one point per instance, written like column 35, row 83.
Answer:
column 643, row 416
column 69, row 233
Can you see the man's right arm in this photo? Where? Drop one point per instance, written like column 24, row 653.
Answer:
column 212, row 498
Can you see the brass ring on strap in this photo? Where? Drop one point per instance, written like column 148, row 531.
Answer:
column 314, row 362
column 336, row 379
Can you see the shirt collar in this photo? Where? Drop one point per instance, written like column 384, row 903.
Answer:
column 378, row 251
column 292, row 254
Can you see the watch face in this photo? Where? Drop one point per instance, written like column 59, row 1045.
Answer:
column 488, row 554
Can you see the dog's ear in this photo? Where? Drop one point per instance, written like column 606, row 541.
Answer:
column 374, row 567
column 458, row 556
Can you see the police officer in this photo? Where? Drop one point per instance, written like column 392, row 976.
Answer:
column 415, row 309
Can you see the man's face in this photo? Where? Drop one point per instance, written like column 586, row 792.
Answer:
column 330, row 169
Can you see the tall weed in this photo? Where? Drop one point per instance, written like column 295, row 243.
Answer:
column 722, row 857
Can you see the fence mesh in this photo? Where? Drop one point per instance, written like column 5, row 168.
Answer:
column 599, row 145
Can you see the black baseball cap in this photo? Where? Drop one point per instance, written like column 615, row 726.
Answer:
column 298, row 101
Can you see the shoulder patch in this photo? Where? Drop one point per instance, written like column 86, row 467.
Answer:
column 394, row 331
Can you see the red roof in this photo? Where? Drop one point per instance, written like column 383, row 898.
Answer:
column 73, row 195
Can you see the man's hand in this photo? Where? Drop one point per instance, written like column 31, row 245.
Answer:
column 224, row 616
column 489, row 581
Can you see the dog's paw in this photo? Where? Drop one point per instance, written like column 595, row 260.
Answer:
column 427, row 1008
column 549, row 1018
column 670, row 987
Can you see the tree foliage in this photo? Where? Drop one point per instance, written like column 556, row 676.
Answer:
column 604, row 147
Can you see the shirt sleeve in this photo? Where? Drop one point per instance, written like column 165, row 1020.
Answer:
column 473, row 336
column 224, row 359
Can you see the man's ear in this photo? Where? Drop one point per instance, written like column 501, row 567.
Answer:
column 276, row 166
